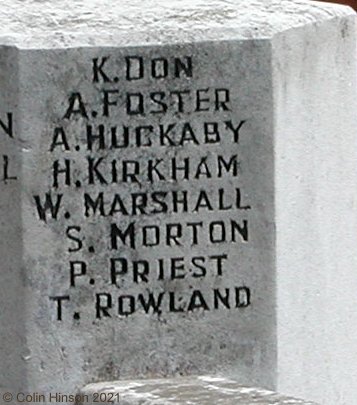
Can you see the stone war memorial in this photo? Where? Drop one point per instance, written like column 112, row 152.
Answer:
column 178, row 202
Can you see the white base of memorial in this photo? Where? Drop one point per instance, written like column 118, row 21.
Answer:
column 203, row 390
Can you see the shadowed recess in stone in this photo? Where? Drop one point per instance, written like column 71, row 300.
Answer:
column 179, row 391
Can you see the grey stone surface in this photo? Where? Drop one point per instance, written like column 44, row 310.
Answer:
column 63, row 23
column 182, row 391
column 253, row 274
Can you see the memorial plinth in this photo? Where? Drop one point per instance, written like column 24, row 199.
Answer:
column 182, row 391
column 178, row 194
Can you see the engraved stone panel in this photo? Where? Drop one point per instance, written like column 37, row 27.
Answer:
column 146, row 173
column 177, row 194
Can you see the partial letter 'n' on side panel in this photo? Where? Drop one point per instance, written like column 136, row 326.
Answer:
column 12, row 301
